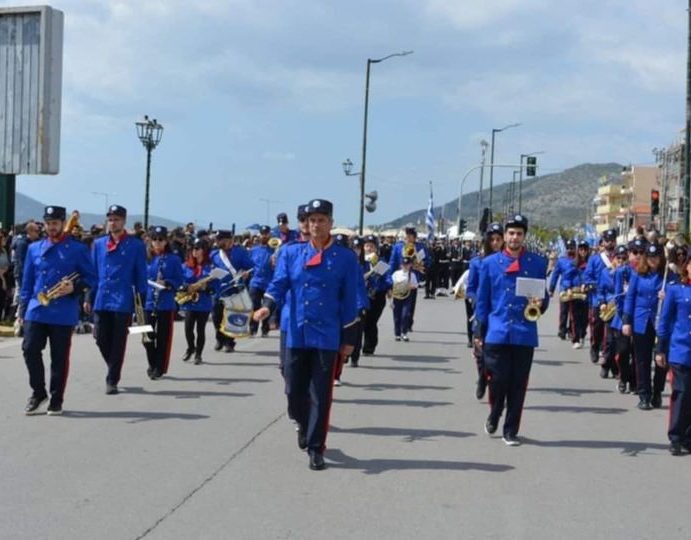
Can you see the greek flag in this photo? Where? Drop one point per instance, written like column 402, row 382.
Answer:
column 429, row 219
column 561, row 246
column 591, row 235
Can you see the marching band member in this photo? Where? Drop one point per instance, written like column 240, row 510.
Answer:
column 164, row 270
column 232, row 259
column 261, row 256
column 640, row 311
column 411, row 244
column 493, row 242
column 322, row 279
column 120, row 263
column 606, row 296
column 566, row 269
column 377, row 287
column 579, row 308
column 282, row 230
column 627, row 261
column 674, row 350
column 56, row 269
column 507, row 338
column 194, row 271
column 403, row 283
column 591, row 277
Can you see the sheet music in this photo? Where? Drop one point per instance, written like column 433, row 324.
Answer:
column 530, row 287
column 380, row 268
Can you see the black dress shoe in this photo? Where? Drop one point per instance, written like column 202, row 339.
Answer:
column 198, row 359
column 353, row 362
column 317, row 461
column 111, row 389
column 644, row 405
column 604, row 372
column 675, row 449
column 218, row 346
column 35, row 406
column 150, row 372
column 229, row 348
column 480, row 388
column 656, row 400
column 156, row 374
column 302, row 439
column 188, row 354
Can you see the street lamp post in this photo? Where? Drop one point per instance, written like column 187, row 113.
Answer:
column 520, row 178
column 484, row 144
column 149, row 133
column 491, row 161
column 370, row 61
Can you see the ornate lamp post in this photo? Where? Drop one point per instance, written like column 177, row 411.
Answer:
column 150, row 133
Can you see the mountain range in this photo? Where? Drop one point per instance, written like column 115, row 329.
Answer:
column 552, row 200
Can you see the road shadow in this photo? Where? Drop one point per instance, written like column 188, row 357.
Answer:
column 134, row 417
column 408, row 368
column 629, row 448
column 427, row 359
column 380, row 387
column 218, row 380
column 339, row 460
column 576, row 409
column 554, row 363
column 244, row 364
column 182, row 394
column 437, row 342
column 408, row 434
column 395, row 402
column 570, row 392
column 439, row 332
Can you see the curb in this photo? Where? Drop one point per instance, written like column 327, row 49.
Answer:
column 6, row 331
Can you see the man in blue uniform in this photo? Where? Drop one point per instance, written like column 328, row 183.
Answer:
column 567, row 270
column 261, row 256
column 322, row 279
column 120, row 263
column 56, row 270
column 282, row 230
column 507, row 338
column 421, row 268
column 236, row 261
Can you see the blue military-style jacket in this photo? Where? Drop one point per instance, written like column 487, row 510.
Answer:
column 397, row 258
column 166, row 267
column 263, row 269
column 473, row 281
column 47, row 263
column 622, row 276
column 119, row 267
column 591, row 276
column 291, row 236
column 239, row 260
column 674, row 326
column 640, row 304
column 376, row 283
column 191, row 275
column 568, row 271
column 498, row 311
column 322, row 305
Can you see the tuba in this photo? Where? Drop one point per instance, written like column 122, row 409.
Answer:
column 532, row 311
column 401, row 289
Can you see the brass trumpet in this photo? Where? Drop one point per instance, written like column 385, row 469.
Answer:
column 532, row 311
column 46, row 297
column 574, row 293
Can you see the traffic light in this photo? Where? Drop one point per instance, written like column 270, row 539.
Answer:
column 531, row 165
column 371, row 204
column 654, row 202
column 461, row 226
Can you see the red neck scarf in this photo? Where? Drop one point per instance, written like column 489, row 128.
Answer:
column 58, row 239
column 112, row 243
column 316, row 259
column 515, row 265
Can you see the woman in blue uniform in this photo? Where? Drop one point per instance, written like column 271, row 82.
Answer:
column 195, row 273
column 640, row 309
column 165, row 270
column 674, row 350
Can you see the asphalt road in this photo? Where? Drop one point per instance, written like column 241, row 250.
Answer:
column 207, row 452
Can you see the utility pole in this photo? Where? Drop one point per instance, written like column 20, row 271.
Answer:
column 687, row 134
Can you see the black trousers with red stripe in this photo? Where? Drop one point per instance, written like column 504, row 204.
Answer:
column 158, row 349
column 508, row 370
column 679, row 430
column 36, row 335
column 309, row 377
column 111, row 338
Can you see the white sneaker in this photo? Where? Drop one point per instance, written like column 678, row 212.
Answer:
column 511, row 440
column 405, row 337
column 337, row 382
column 578, row 345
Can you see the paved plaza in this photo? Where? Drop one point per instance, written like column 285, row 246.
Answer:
column 207, row 452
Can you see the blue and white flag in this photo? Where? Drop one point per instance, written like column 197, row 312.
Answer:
column 591, row 235
column 561, row 246
column 429, row 219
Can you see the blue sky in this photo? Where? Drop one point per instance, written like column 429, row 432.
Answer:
column 263, row 99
